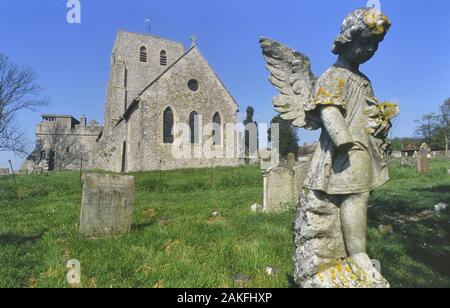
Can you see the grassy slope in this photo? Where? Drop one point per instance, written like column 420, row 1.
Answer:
column 176, row 243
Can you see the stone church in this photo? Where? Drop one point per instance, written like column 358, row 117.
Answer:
column 155, row 84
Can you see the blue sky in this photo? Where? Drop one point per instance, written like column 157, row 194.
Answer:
column 412, row 66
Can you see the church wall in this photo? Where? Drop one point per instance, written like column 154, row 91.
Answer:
column 134, row 137
column 172, row 90
column 85, row 136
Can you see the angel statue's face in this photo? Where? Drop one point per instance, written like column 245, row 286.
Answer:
column 363, row 47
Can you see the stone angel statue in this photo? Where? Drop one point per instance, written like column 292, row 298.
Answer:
column 350, row 159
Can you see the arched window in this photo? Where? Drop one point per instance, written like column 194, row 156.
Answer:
column 163, row 58
column 143, row 54
column 217, row 132
column 168, row 126
column 194, row 125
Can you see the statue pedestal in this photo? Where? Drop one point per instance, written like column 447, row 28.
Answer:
column 345, row 274
column 320, row 258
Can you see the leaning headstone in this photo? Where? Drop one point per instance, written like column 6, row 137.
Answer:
column 107, row 206
column 282, row 187
column 422, row 159
column 291, row 160
column 268, row 159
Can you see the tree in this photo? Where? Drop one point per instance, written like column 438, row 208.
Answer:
column 18, row 91
column 288, row 137
column 63, row 150
column 434, row 128
column 428, row 129
column 445, row 122
column 400, row 144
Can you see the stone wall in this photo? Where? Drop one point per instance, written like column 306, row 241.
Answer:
column 85, row 137
column 4, row 171
column 172, row 91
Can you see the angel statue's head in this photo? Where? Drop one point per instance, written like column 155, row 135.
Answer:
column 361, row 33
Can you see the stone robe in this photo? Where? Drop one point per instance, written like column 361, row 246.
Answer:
column 341, row 172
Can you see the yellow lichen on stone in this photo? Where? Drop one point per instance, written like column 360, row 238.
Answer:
column 389, row 110
column 377, row 22
column 340, row 87
column 322, row 92
column 324, row 97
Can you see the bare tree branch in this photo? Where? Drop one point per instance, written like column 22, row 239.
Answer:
column 19, row 90
column 63, row 150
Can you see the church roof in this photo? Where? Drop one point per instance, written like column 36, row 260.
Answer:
column 136, row 100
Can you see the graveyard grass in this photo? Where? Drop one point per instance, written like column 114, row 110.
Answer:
column 176, row 242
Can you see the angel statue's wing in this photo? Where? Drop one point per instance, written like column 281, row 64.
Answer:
column 291, row 75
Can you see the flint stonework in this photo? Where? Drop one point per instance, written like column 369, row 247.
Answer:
column 107, row 205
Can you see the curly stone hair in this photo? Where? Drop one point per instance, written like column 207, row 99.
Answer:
column 357, row 22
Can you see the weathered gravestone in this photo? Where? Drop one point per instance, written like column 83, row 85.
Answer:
column 107, row 205
column 422, row 159
column 350, row 160
column 279, row 190
column 4, row 171
column 291, row 160
column 268, row 159
column 282, row 186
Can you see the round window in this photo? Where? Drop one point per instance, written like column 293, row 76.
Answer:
column 193, row 85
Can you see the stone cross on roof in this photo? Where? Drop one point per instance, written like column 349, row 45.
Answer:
column 148, row 24
column 194, row 39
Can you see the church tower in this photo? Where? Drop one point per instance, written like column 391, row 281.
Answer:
column 136, row 60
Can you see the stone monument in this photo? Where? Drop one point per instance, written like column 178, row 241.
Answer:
column 107, row 205
column 350, row 160
column 422, row 159
column 282, row 184
column 250, row 136
column 291, row 160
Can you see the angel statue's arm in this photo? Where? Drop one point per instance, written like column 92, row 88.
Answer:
column 334, row 122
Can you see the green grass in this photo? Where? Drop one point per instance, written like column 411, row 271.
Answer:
column 176, row 243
